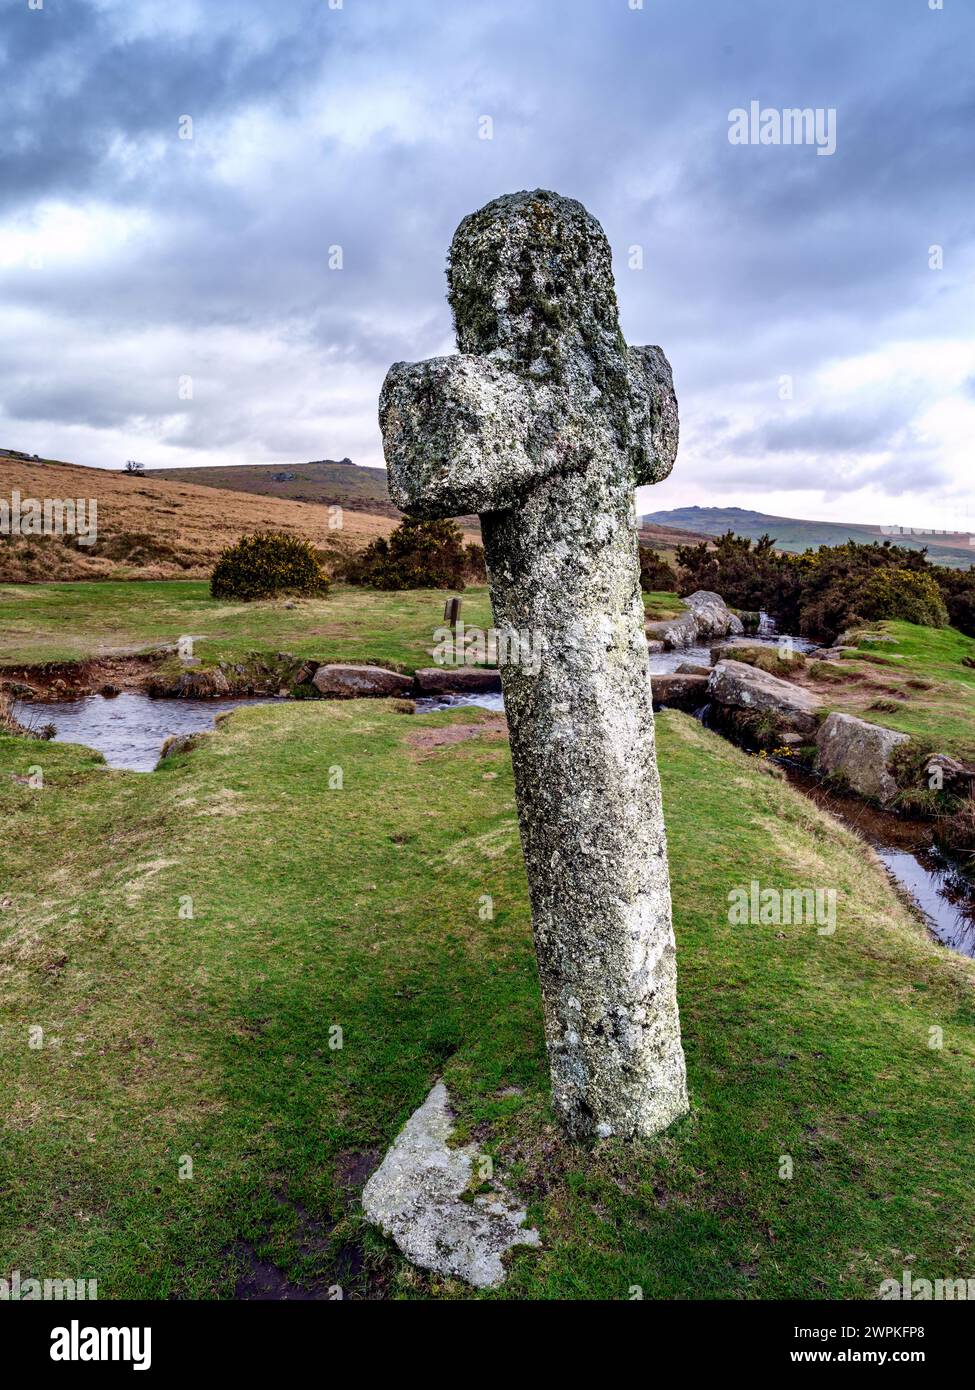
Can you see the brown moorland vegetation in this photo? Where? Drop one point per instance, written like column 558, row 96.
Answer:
column 154, row 529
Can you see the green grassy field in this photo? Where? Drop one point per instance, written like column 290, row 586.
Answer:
column 663, row 605
column 166, row 1037
column 72, row 621
column 923, row 669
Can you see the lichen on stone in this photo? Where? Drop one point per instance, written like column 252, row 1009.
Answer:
column 543, row 424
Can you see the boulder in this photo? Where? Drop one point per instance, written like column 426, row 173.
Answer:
column 450, row 680
column 726, row 650
column 351, row 682
column 674, row 632
column 679, row 691
column 707, row 615
column 693, row 668
column 192, row 685
column 833, row 653
column 859, row 753
column 714, row 617
column 947, row 772
column 753, row 691
column 179, row 743
column 417, row 1196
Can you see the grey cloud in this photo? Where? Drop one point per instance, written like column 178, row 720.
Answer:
column 758, row 261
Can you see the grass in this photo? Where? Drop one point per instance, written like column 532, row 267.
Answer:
column 73, row 621
column 923, row 669
column 167, row 1037
column 663, row 605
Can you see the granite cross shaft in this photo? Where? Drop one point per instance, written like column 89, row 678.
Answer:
column 543, row 425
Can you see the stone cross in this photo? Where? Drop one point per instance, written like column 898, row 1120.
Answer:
column 543, row 424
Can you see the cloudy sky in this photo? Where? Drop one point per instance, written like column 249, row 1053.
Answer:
column 824, row 369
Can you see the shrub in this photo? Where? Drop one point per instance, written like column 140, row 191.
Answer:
column 907, row 595
column 656, row 576
column 958, row 591
column 265, row 564
column 475, row 567
column 748, row 575
column 418, row 555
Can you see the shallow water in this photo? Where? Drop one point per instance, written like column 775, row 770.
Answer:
column 663, row 663
column 489, row 700
column 942, row 887
column 129, row 730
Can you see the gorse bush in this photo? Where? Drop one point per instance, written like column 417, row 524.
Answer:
column 475, row 566
column 656, row 576
column 903, row 594
column 418, row 555
column 824, row 591
column 748, row 575
column 958, row 590
column 265, row 564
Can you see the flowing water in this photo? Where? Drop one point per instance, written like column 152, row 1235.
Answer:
column 943, row 887
column 130, row 729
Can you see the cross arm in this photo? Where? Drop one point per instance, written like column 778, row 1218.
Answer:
column 455, row 432
column 654, row 425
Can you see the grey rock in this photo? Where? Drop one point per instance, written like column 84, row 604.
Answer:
column 543, row 425
column 714, row 617
column 860, row 753
column 674, row 632
column 948, row 770
column 179, row 743
column 415, row 1195
column 727, row 649
column 445, row 680
column 740, row 687
column 352, row 682
column 691, row 668
column 679, row 691
column 200, row 685
column 833, row 653
column 707, row 615
column 653, row 646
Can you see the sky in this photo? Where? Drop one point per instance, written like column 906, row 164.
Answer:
column 222, row 220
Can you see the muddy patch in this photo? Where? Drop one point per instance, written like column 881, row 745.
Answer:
column 345, row 1274
column 424, row 742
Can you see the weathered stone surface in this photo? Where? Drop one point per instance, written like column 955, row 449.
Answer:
column 714, row 617
column 415, row 1195
column 653, row 646
column 192, row 685
column 737, row 686
column 707, row 616
column 833, row 653
column 675, row 691
column 179, row 743
column 728, row 649
column 674, row 632
column 351, row 682
column 860, row 753
column 691, row 668
column 543, row 425
column 948, row 771
column 445, row 680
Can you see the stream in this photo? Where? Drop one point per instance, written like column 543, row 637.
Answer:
column 130, row 729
